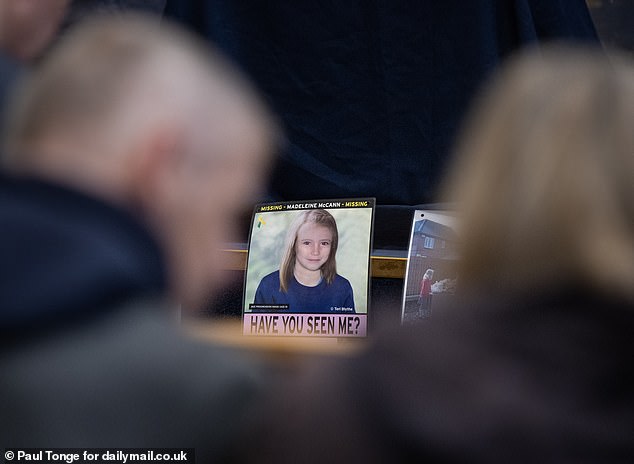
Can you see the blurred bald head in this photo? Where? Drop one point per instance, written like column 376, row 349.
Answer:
column 147, row 117
column 112, row 80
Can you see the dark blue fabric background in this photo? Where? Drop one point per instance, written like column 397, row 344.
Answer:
column 371, row 92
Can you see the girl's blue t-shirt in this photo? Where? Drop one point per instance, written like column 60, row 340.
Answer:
column 336, row 297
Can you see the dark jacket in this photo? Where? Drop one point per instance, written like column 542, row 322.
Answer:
column 10, row 72
column 514, row 380
column 66, row 257
column 89, row 355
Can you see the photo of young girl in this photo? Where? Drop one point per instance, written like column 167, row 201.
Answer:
column 307, row 279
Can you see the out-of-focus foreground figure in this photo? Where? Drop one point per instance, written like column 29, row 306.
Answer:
column 26, row 28
column 128, row 156
column 534, row 362
column 545, row 179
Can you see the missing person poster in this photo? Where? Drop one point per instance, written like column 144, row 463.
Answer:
column 308, row 269
column 431, row 274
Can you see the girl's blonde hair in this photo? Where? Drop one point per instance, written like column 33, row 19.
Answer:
column 287, row 266
column 544, row 175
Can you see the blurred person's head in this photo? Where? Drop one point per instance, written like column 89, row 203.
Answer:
column 545, row 176
column 27, row 26
column 147, row 118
